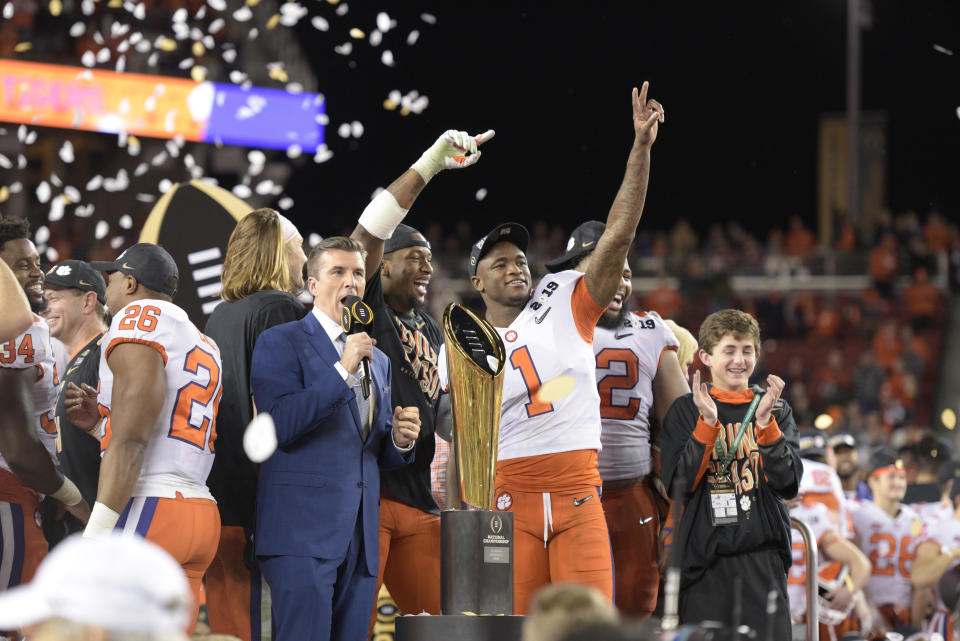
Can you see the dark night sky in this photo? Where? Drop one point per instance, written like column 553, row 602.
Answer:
column 743, row 85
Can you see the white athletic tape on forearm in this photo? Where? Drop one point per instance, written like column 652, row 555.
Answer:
column 68, row 494
column 382, row 215
column 102, row 520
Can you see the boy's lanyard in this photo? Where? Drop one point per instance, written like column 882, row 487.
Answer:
column 731, row 452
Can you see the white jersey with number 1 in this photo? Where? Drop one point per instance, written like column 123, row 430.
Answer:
column 628, row 358
column 180, row 450
column 33, row 350
column 551, row 337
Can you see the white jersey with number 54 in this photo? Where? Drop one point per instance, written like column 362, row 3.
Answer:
column 180, row 450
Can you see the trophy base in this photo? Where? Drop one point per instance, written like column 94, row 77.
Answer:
column 460, row 627
column 476, row 562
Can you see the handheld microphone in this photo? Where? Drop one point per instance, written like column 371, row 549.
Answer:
column 355, row 319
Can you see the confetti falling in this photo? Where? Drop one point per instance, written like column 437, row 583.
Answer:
column 943, row 50
column 481, row 194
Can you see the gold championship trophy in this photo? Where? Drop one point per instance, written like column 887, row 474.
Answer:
column 477, row 556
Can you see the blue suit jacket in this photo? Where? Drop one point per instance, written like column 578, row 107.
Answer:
column 323, row 472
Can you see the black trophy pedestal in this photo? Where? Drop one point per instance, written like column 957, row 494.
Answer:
column 459, row 627
column 476, row 562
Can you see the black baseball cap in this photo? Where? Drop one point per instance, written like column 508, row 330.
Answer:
column 812, row 443
column 882, row 459
column 77, row 274
column 512, row 232
column 949, row 470
column 150, row 264
column 843, row 439
column 402, row 238
column 582, row 241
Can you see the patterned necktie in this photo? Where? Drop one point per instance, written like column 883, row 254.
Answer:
column 363, row 404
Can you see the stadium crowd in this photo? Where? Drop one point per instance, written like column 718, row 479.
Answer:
column 818, row 407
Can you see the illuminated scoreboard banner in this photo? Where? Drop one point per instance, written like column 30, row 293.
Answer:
column 159, row 106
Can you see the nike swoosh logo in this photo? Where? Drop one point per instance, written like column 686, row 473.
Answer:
column 578, row 502
column 619, row 336
column 83, row 282
column 126, row 266
column 645, row 521
column 586, row 244
column 539, row 319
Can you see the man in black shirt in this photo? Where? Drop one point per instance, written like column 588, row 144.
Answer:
column 396, row 290
column 262, row 270
column 76, row 315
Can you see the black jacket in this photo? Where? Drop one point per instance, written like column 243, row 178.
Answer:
column 766, row 469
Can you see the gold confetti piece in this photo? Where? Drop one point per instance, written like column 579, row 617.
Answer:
column 279, row 74
column 948, row 417
column 252, row 3
column 916, row 527
column 198, row 73
column 405, row 111
column 555, row 389
column 166, row 44
column 20, row 47
column 56, row 7
column 272, row 22
column 115, row 4
column 4, row 193
column 389, row 105
column 357, row 33
column 198, row 49
column 822, row 422
column 333, row 1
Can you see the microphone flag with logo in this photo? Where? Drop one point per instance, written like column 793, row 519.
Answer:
column 357, row 317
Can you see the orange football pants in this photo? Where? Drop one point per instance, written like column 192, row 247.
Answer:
column 22, row 544
column 188, row 529
column 634, row 522
column 236, row 596
column 409, row 557
column 558, row 537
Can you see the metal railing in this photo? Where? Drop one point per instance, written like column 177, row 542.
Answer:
column 810, row 547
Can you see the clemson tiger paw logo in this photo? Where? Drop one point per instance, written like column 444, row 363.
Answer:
column 504, row 501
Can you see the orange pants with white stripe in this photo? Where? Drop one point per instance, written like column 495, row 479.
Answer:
column 188, row 529
column 634, row 522
column 22, row 544
column 558, row 537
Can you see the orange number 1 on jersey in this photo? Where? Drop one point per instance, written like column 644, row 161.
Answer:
column 520, row 359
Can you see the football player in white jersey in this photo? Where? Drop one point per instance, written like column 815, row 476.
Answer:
column 820, row 483
column 15, row 314
column 160, row 387
column 547, row 458
column 935, row 556
column 637, row 371
column 28, row 428
column 888, row 532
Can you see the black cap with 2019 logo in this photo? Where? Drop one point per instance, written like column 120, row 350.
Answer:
column 511, row 232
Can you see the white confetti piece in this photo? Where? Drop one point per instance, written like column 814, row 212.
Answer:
column 170, row 120
column 5, row 162
column 31, row 138
column 16, row 188
column 241, row 191
column 87, row 7
column 264, row 187
column 88, row 59
column 429, row 18
column 229, row 55
column 322, row 119
column 320, row 23
column 84, row 211
column 123, row 47
column 118, row 29
column 95, row 183
column 196, row 172
column 77, row 29
column 134, row 147
column 344, row 130
column 188, row 161
column 356, row 128
column 116, row 242
column 252, row 35
column 256, row 157
column 141, row 169
column 146, row 198
column 72, row 193
column 314, row 239
column 55, row 180
column 294, row 87
column 66, row 152
column 260, row 438
column 159, row 159
column 126, row 221
column 285, row 203
column 376, row 37
column 8, row 10
column 243, row 14
column 52, row 254
column 958, row 112
column 942, row 50
column 323, row 154
column 200, row 14
column 57, row 207
column 21, row 133
column 121, row 65
column 186, row 63
column 387, row 58
column 180, row 15
column 294, row 151
column 101, row 230
column 237, row 76
column 103, row 55
column 481, row 194
column 42, row 235
column 383, row 21
column 165, row 185
column 173, row 148
column 342, row 9
column 195, row 34
column 21, row 161
column 418, row 105
column 217, row 5
column 140, row 11
column 412, row 37
column 344, row 49
column 216, row 25
column 209, row 42
column 135, row 38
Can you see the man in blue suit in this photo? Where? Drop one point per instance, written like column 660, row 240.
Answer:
column 318, row 497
